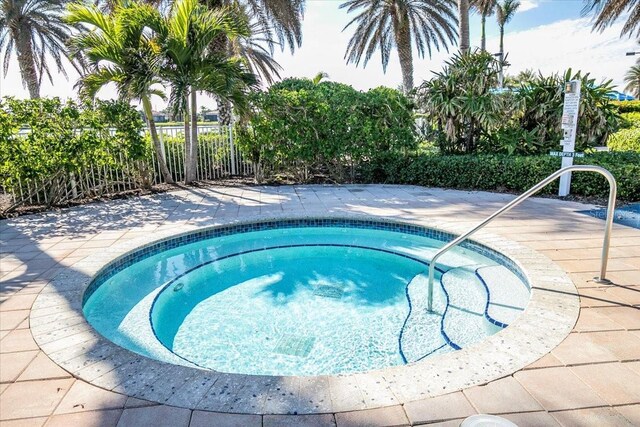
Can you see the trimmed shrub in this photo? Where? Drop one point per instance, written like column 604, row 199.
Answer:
column 503, row 172
column 630, row 120
column 627, row 106
column 625, row 140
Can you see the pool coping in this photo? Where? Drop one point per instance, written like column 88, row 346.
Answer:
column 62, row 332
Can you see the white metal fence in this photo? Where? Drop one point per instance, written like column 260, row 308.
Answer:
column 218, row 157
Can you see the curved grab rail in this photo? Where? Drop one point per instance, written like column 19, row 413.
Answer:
column 578, row 168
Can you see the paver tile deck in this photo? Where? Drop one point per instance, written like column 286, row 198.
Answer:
column 590, row 379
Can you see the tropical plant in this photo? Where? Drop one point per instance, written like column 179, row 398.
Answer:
column 257, row 51
column 186, row 36
column 460, row 102
column 36, row 32
column 485, row 8
column 543, row 100
column 273, row 23
column 121, row 52
column 320, row 76
column 632, row 79
column 608, row 11
column 463, row 25
column 399, row 23
column 505, row 12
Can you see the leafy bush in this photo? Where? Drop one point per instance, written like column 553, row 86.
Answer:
column 630, row 120
column 45, row 139
column 496, row 172
column 627, row 106
column 307, row 128
column 625, row 140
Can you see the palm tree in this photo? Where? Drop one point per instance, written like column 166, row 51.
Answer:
column 632, row 79
column 485, row 8
column 608, row 11
column 463, row 25
column 35, row 30
column 273, row 23
column 186, row 37
column 386, row 24
column 257, row 52
column 505, row 12
column 121, row 52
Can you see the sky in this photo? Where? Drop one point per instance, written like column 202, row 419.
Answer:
column 549, row 35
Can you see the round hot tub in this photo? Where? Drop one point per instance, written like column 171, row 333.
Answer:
column 304, row 297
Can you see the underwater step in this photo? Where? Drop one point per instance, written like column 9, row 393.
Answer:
column 508, row 294
column 464, row 289
column 464, row 319
column 421, row 333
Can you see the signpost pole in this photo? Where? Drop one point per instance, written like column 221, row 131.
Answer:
column 569, row 126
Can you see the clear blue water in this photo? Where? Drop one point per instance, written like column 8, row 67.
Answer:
column 341, row 300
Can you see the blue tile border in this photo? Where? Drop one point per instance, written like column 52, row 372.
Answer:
column 152, row 249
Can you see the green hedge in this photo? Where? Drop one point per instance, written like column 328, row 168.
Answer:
column 503, row 172
column 45, row 138
column 625, row 140
column 627, row 106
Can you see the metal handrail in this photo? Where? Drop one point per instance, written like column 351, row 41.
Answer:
column 526, row 195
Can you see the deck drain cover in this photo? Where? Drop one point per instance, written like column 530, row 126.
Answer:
column 328, row 292
column 295, row 345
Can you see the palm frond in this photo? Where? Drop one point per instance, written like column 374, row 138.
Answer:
column 385, row 25
column 506, row 10
column 606, row 12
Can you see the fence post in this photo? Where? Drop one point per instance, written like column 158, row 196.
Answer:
column 74, row 189
column 233, row 149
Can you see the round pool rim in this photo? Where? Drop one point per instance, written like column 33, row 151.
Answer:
column 62, row 332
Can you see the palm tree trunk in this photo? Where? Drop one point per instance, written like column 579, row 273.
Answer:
column 26, row 62
column 501, row 76
column 194, row 135
column 463, row 22
column 157, row 145
column 224, row 111
column 405, row 55
column 483, row 38
column 187, row 141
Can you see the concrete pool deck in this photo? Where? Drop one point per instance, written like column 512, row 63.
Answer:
column 592, row 378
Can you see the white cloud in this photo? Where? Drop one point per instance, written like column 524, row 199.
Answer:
column 550, row 48
column 528, row 5
column 569, row 44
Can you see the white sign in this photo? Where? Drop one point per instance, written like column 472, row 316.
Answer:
column 570, row 114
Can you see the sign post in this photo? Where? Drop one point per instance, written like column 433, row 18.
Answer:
column 569, row 127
